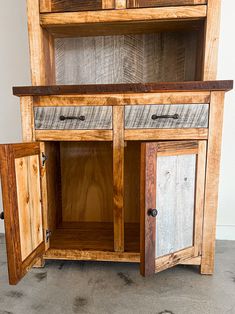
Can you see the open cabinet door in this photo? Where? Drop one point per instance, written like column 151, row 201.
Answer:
column 21, row 191
column 172, row 200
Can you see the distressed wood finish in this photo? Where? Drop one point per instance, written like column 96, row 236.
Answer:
column 159, row 87
column 118, row 178
column 86, row 181
column 108, row 4
column 27, row 118
column 158, row 3
column 189, row 116
column 95, row 117
column 70, row 5
column 126, row 59
column 20, row 258
column 74, row 135
column 120, row 4
column 211, row 40
column 212, row 181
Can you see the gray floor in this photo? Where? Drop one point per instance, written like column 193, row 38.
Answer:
column 90, row 287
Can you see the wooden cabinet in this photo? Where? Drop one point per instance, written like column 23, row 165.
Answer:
column 121, row 136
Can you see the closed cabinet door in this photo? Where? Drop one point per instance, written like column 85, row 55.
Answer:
column 22, row 202
column 161, row 3
column 172, row 198
column 57, row 6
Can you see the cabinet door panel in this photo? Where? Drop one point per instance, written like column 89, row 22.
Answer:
column 161, row 3
column 20, row 176
column 172, row 181
column 52, row 6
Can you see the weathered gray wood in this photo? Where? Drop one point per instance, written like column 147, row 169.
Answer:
column 126, row 58
column 96, row 117
column 175, row 203
column 189, row 116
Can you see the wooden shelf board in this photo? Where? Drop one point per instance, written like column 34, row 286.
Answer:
column 157, row 87
column 93, row 236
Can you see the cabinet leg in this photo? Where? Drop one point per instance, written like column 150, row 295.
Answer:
column 40, row 263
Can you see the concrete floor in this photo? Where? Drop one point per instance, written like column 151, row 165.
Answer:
column 113, row 288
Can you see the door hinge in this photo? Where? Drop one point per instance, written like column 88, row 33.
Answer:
column 44, row 159
column 48, row 235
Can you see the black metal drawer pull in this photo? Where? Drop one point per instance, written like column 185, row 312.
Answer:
column 81, row 118
column 2, row 215
column 174, row 116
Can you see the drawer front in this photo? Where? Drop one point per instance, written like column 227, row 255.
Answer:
column 166, row 116
column 160, row 3
column 73, row 118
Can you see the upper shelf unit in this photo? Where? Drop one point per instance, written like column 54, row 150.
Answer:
column 68, row 23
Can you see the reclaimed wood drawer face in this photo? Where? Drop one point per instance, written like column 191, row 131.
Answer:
column 73, row 118
column 166, row 116
column 161, row 3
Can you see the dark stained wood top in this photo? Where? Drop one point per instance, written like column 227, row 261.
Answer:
column 123, row 88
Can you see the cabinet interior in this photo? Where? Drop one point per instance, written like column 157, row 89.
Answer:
column 131, row 58
column 80, row 195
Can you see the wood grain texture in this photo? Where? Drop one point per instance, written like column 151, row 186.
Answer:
column 95, row 117
column 147, row 201
column 175, row 203
column 86, row 182
column 211, row 40
column 165, row 134
column 120, row 4
column 29, row 203
column 157, row 3
column 41, row 48
column 189, row 116
column 74, row 135
column 126, row 58
column 212, row 181
column 11, row 203
column 123, row 99
column 27, row 118
column 70, row 5
column 118, row 178
column 108, row 4
column 123, row 88
column 131, row 15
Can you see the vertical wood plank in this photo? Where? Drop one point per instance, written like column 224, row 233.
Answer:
column 211, row 40
column 212, row 181
column 45, row 6
column 41, row 47
column 108, row 4
column 27, row 118
column 120, row 4
column 199, row 196
column 118, row 177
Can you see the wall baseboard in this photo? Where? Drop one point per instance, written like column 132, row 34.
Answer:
column 225, row 232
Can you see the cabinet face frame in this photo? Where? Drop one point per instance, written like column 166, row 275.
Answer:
column 23, row 207
column 149, row 264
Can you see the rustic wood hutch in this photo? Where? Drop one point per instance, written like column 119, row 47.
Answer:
column 122, row 133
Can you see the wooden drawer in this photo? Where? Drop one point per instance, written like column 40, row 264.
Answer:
column 161, row 3
column 166, row 116
column 73, row 118
column 48, row 6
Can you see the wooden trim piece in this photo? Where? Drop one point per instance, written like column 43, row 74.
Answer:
column 108, row 4
column 131, row 15
column 41, row 48
column 211, row 40
column 27, row 118
column 45, row 6
column 123, row 99
column 73, row 135
column 161, row 3
column 167, row 261
column 165, row 134
column 123, row 88
column 212, row 181
column 199, row 196
column 192, row 261
column 30, row 261
column 147, row 201
column 120, row 4
column 92, row 255
column 118, row 178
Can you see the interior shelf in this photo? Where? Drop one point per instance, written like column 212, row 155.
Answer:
column 93, row 236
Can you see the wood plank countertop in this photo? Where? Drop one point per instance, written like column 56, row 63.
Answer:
column 124, row 88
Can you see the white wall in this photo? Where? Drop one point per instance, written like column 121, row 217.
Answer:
column 14, row 67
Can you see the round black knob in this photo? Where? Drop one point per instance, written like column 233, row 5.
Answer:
column 152, row 212
column 2, row 215
column 82, row 118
